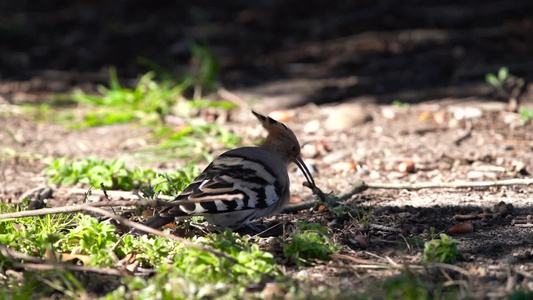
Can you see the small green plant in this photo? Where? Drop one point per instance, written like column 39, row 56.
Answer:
column 400, row 104
column 309, row 241
column 506, row 85
column 93, row 238
column 147, row 102
column 498, row 79
column 199, row 274
column 442, row 250
column 90, row 171
column 526, row 114
column 115, row 175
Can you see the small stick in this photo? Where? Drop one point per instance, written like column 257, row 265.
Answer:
column 466, row 134
column 229, row 96
column 36, row 263
column 472, row 216
column 82, row 207
column 361, row 186
column 49, row 267
column 456, row 185
column 523, row 225
column 128, row 195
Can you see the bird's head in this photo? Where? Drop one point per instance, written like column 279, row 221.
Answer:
column 282, row 140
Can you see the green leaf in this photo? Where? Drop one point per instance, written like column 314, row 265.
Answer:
column 503, row 75
column 492, row 80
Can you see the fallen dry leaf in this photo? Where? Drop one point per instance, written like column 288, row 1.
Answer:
column 66, row 257
column 460, row 228
column 362, row 240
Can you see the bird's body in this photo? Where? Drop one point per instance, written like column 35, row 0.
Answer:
column 241, row 184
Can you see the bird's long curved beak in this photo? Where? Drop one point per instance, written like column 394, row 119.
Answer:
column 300, row 163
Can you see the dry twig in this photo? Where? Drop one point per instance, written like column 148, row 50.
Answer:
column 466, row 133
column 361, row 186
column 36, row 263
column 454, row 185
column 83, row 207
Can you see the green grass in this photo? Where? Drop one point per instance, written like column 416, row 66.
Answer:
column 310, row 240
column 147, row 104
column 190, row 141
column 174, row 263
column 400, row 104
column 115, row 175
column 181, row 272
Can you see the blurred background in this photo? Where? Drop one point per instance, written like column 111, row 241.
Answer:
column 287, row 53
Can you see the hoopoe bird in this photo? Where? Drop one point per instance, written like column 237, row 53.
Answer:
column 242, row 184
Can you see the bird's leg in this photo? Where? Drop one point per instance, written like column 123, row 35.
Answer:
column 249, row 224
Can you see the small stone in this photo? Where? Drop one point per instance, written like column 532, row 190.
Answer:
column 407, row 167
column 309, row 150
column 347, row 116
column 388, row 113
column 94, row 198
column 467, row 113
column 439, row 117
column 302, row 274
column 312, row 126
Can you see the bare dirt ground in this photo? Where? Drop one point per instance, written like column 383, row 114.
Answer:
column 310, row 60
column 497, row 254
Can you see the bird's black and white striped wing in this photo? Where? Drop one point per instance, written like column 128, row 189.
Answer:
column 230, row 183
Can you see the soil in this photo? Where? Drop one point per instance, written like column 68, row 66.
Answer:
column 308, row 62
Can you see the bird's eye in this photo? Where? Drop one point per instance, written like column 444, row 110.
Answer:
column 294, row 148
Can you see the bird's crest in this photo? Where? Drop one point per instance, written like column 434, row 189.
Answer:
column 274, row 127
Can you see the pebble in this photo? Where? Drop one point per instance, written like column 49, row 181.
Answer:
column 347, row 116
column 439, row 117
column 407, row 167
column 95, row 198
column 309, row 150
column 467, row 113
column 311, row 126
column 388, row 113
column 302, row 274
